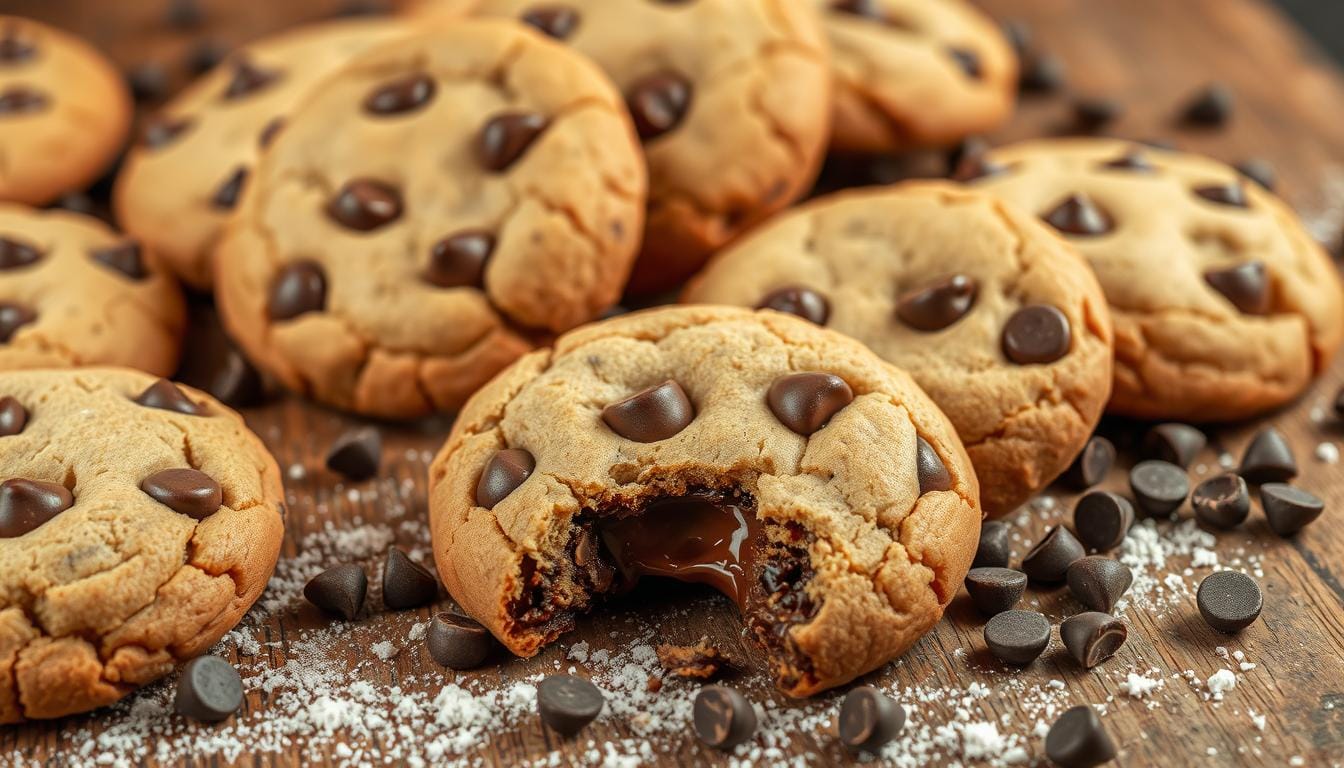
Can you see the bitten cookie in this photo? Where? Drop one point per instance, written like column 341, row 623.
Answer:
column 784, row 464
column 75, row 293
column 995, row 316
column 138, row 521
column 1224, row 306
column 181, row 181
column 426, row 212
column 729, row 98
column 64, row 112
column 913, row 73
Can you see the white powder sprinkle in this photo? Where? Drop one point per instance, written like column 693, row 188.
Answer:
column 1328, row 453
column 1140, row 687
column 1220, row 682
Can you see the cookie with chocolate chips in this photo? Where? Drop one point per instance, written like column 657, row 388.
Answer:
column 138, row 522
column 64, row 112
column 713, row 445
column 995, row 316
column 75, row 293
column 427, row 213
column 185, row 174
column 1224, row 306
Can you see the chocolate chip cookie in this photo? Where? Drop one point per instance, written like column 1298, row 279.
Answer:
column 138, row 521
column 75, row 293
column 64, row 112
column 184, row 177
column 1224, row 306
column 913, row 73
column 427, row 212
column 729, row 98
column 994, row 315
column 784, row 464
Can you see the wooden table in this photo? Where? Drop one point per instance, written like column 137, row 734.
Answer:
column 1150, row 54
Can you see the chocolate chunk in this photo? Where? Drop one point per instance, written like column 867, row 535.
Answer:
column 339, row 590
column 1229, row 601
column 1099, row 582
column 166, row 395
column 248, row 78
column 805, row 402
column 1041, row 73
column 355, row 454
column 365, row 205
column 406, row 583
column 993, row 550
column 16, row 253
column 1268, row 459
column 162, row 131
column 27, row 504
column 1159, row 487
column 401, row 95
column 124, row 257
column 231, row 379
column 458, row 260
column 506, row 471
column 1230, row 194
column 938, row 305
column 458, row 642
column 1093, row 637
column 1211, row 107
column 209, row 690
column 557, row 21
column 1091, row 114
column 1079, row 215
column 12, row 318
column 968, row 61
column 1222, row 501
column 226, row 194
column 796, row 300
column 995, row 590
column 188, row 491
column 1017, row 637
column 148, row 81
column 1287, row 509
column 1077, row 740
column 658, row 103
column 1245, row 285
column 869, row 719
column 1133, row 160
column 929, row 467
column 723, row 718
column 505, row 138
column 568, row 703
column 13, row 416
column 1102, row 519
column 653, row 414
column 1092, row 465
column 1259, row 170
column 1036, row 334
column 1174, row 443
column 1049, row 560
column 700, row 660
column 298, row 288
column 21, row 99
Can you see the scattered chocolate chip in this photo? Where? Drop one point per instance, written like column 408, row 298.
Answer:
column 339, row 590
column 1041, row 73
column 27, row 504
column 188, row 491
column 1232, row 194
column 796, row 300
column 1078, row 215
column 557, row 21
column 869, row 719
column 21, row 99
column 1289, row 509
column 1048, row 562
column 365, row 205
column 1092, row 465
column 1092, row 113
column 1259, row 170
column 995, row 590
column 993, row 550
column 723, row 718
column 406, row 583
column 1036, row 335
column 401, row 95
column 658, row 103
column 13, row 416
column 506, row 471
column 1102, row 519
column 939, row 304
column 968, row 61
column 653, row 414
column 16, row 253
column 505, row 138
column 12, row 318
column 204, row 56
column 1211, row 107
column 1017, row 637
column 1222, row 501
column 1093, row 637
column 458, row 642
column 248, row 78
column 166, row 395
column 209, row 690
column 1229, row 601
column 226, row 194
column 124, row 257
column 568, row 703
column 929, row 467
column 299, row 287
column 1099, row 582
column 458, row 260
column 1159, row 487
column 1133, row 160
column 1245, row 285
column 1077, row 740
column 1174, row 443
column 805, row 402
column 355, row 454
column 232, row 380
column 1268, row 459
column 148, row 81
column 162, row 131
column 184, row 14
column 700, row 660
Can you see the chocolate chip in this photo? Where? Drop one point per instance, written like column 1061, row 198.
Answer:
column 658, row 103
column 1048, row 562
column 1289, row 509
column 458, row 642
column 1092, row 464
column 1159, row 487
column 1099, row 582
column 929, row 467
column 458, row 260
column 1232, row 194
column 1102, row 519
column 148, row 81
column 723, row 718
column 869, row 719
column 867, row 9
column 1259, row 170
column 939, row 304
column 1211, row 107
column 1092, row 113
column 1077, row 740
column 1078, row 215
column 1036, row 334
column 995, row 590
column 226, row 194
column 557, row 21
column 796, row 300
column 1174, row 443
column 355, row 454
column 1268, row 459
column 993, row 549
column 13, row 416
column 204, row 56
column 16, row 253
column 506, row 137
column 975, row 163
column 248, row 78
column 406, row 583
column 188, row 491
column 14, row 49
column 365, row 205
column 298, row 288
column 339, row 590
column 1222, row 501
column 269, row 132
column 401, row 95
column 1017, row 637
column 506, row 471
column 968, row 61
column 27, row 504
column 805, row 402
column 1093, row 637
column 653, row 414
column 1041, row 73
column 209, row 690
column 231, row 379
column 568, row 703
column 1245, row 285
column 166, row 395
column 162, row 131
column 1229, row 601
column 1133, row 160
column 21, row 99
column 184, row 14
column 124, row 257
column 12, row 318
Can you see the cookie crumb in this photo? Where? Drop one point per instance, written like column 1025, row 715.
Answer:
column 701, row 660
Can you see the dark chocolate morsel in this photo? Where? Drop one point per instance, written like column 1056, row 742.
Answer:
column 168, row 396
column 21, row 99
column 402, row 95
column 1102, row 519
column 796, row 300
column 355, row 454
column 1048, row 562
column 1078, row 215
column 1036, row 335
column 162, row 131
column 506, row 137
column 1077, row 740
column 1174, row 443
column 209, row 690
column 1268, row 459
column 13, row 416
column 1229, row 601
column 568, row 703
column 27, row 504
column 805, row 402
column 1222, row 501
column 929, row 466
column 1230, row 194
column 556, row 21
column 458, row 642
column 365, row 205
column 1289, row 509
column 124, row 257
column 995, row 590
column 1093, row 637
column 226, row 194
column 658, row 103
column 652, row 414
column 188, row 491
column 1133, row 160
column 406, row 583
column 869, row 719
column 1017, row 637
column 12, row 318
column 339, row 590
column 1159, row 487
column 1245, row 285
column 939, row 304
column 506, row 470
column 298, row 288
column 722, row 717
column 17, row 253
column 1091, row 465
column 248, row 78
column 1099, row 582
column 458, row 260
column 993, row 550
column 968, row 61
column 1212, row 106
